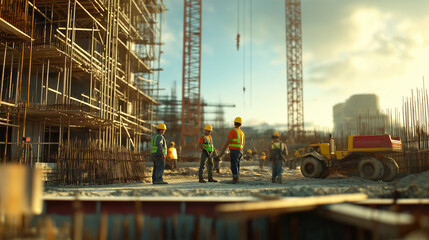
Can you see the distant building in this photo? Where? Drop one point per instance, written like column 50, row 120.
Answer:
column 360, row 114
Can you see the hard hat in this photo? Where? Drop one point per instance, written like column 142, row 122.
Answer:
column 208, row 127
column 262, row 153
column 172, row 143
column 161, row 126
column 238, row 120
column 276, row 134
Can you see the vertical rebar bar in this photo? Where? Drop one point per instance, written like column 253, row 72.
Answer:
column 2, row 73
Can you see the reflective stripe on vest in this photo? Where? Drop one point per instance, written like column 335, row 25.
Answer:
column 237, row 141
column 207, row 144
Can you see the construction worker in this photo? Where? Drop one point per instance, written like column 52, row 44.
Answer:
column 206, row 145
column 171, row 157
column 235, row 143
column 159, row 153
column 262, row 161
column 278, row 152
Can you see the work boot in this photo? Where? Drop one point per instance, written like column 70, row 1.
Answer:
column 273, row 180
column 235, row 180
column 212, row 180
column 160, row 182
column 217, row 170
column 202, row 180
column 279, row 180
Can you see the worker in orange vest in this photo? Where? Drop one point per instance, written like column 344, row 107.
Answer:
column 171, row 157
column 235, row 143
column 159, row 153
column 206, row 145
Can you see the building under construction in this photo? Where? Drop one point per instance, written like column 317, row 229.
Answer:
column 77, row 71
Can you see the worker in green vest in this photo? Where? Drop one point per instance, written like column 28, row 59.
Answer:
column 206, row 145
column 159, row 153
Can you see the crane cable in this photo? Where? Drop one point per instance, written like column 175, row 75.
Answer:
column 250, row 57
column 244, row 53
column 238, row 25
column 244, row 49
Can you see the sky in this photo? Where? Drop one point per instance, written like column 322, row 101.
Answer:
column 349, row 47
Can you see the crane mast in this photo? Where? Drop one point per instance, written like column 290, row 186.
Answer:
column 295, row 102
column 191, row 73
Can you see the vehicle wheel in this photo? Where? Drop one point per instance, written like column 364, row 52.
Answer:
column 311, row 167
column 325, row 173
column 391, row 169
column 370, row 168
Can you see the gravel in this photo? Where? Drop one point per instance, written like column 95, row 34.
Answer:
column 253, row 182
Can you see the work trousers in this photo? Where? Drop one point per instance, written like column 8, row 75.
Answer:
column 277, row 167
column 158, row 168
column 261, row 163
column 205, row 157
column 235, row 155
column 172, row 164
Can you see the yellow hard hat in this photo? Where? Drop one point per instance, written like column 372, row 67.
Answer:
column 238, row 120
column 161, row 126
column 262, row 153
column 208, row 127
column 276, row 134
column 172, row 143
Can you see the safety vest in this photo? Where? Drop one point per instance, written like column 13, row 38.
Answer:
column 207, row 144
column 155, row 147
column 236, row 143
column 172, row 153
column 277, row 151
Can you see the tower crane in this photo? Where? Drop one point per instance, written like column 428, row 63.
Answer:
column 191, row 73
column 295, row 102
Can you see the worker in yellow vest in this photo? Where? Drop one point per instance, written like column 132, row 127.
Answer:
column 278, row 152
column 159, row 153
column 171, row 157
column 206, row 145
column 235, row 143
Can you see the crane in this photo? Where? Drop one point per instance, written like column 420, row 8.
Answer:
column 295, row 102
column 191, row 73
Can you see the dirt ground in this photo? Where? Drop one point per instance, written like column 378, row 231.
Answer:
column 183, row 182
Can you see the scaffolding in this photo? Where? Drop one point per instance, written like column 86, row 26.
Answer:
column 77, row 70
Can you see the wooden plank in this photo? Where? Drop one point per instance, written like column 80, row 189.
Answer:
column 9, row 28
column 385, row 223
column 285, row 205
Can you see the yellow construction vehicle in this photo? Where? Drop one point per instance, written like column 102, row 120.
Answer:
column 367, row 154
column 296, row 158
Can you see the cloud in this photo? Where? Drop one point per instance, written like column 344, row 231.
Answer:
column 349, row 47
